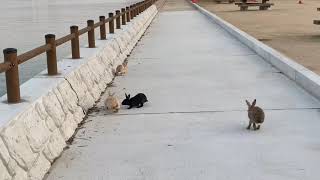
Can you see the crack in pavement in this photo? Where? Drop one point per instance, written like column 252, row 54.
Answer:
column 210, row 111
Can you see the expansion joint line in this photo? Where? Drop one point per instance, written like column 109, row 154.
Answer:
column 214, row 111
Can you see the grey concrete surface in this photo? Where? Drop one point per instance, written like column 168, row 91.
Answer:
column 197, row 77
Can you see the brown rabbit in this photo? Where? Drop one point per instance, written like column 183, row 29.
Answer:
column 112, row 103
column 120, row 70
column 255, row 114
column 125, row 67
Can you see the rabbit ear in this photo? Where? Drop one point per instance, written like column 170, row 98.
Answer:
column 126, row 95
column 249, row 105
column 254, row 102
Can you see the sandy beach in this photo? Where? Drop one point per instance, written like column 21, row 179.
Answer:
column 287, row 27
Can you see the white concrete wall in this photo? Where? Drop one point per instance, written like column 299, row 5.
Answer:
column 33, row 133
column 305, row 78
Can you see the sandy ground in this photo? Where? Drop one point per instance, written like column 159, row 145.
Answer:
column 287, row 27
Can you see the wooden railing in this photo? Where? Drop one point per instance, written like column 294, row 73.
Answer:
column 11, row 60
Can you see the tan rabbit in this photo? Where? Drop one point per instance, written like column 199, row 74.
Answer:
column 120, row 70
column 255, row 114
column 125, row 67
column 112, row 103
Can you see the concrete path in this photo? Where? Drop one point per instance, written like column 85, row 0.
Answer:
column 197, row 78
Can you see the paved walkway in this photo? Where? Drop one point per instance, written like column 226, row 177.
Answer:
column 197, row 78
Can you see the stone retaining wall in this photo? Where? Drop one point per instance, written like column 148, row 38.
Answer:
column 33, row 133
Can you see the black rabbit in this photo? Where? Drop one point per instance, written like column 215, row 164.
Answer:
column 136, row 101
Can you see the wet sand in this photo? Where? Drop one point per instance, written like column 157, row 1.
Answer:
column 287, row 27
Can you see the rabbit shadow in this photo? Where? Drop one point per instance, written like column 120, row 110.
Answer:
column 125, row 108
column 237, row 130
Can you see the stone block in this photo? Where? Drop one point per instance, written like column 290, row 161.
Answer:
column 14, row 136
column 39, row 169
column 55, row 146
column 4, row 174
column 53, row 108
